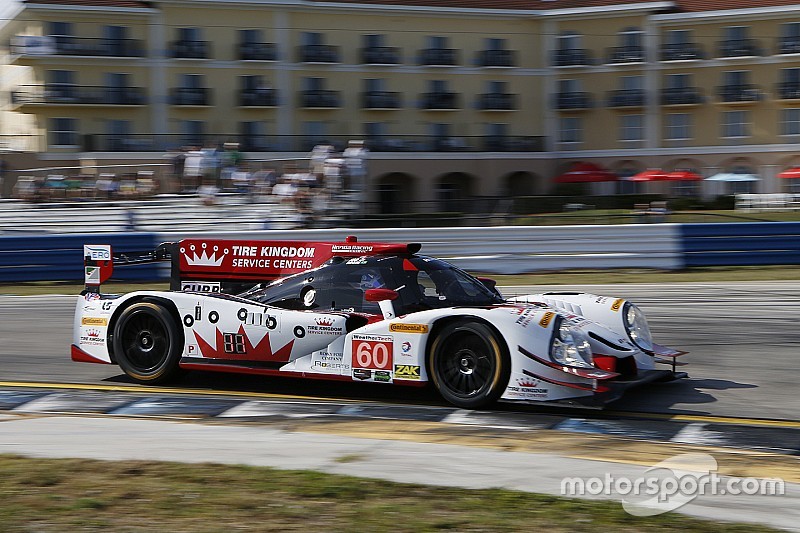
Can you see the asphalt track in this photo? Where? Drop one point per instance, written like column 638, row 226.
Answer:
column 743, row 339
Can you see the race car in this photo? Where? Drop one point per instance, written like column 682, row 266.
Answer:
column 363, row 312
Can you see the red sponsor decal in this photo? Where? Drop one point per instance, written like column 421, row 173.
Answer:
column 372, row 354
column 238, row 346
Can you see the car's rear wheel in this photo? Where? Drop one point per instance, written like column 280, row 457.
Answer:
column 469, row 364
column 147, row 343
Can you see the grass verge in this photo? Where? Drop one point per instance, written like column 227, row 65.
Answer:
column 70, row 494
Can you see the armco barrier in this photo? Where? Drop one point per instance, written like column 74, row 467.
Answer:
column 60, row 257
column 741, row 244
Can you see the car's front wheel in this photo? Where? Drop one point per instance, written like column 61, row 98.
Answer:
column 147, row 343
column 469, row 364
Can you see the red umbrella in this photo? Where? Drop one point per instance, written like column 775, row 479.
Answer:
column 586, row 173
column 792, row 173
column 651, row 174
column 684, row 175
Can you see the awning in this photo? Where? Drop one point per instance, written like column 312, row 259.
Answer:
column 684, row 175
column 730, row 176
column 790, row 174
column 651, row 174
column 586, row 173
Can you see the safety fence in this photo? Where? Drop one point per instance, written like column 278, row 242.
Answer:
column 499, row 250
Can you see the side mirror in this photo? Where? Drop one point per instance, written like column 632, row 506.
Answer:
column 380, row 295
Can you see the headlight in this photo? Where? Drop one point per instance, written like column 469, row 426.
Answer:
column 570, row 346
column 636, row 326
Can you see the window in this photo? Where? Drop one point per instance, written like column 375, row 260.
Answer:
column 61, row 84
column 631, row 37
column 436, row 42
column 677, row 37
column 312, row 38
column 790, row 76
column 735, row 78
column 438, row 86
column 631, row 128
column 188, row 34
column 570, row 130
column 790, row 121
column 117, row 80
column 192, row 132
column 631, row 83
column 496, row 87
column 495, row 44
column 440, row 131
column 373, row 41
column 374, row 85
column 678, row 126
column 64, row 131
column 678, row 81
column 314, row 129
column 496, row 130
column 569, row 86
column 374, row 129
column 60, row 29
column 252, row 82
column 736, row 33
column 192, row 81
column 569, row 41
column 735, row 124
column 314, row 84
column 250, row 36
column 790, row 31
column 254, row 135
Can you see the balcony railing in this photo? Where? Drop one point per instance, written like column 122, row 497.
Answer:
column 255, row 143
column 319, row 53
column 682, row 52
column 789, row 90
column 258, row 98
column 320, row 98
column 497, row 58
column 572, row 57
column 497, row 102
column 438, row 56
column 625, row 54
column 573, row 100
column 739, row 93
column 682, row 96
column 191, row 96
column 76, row 46
column 789, row 45
column 739, row 48
column 57, row 94
column 189, row 49
column 380, row 55
column 441, row 100
column 380, row 100
column 257, row 51
column 626, row 98
column 506, row 143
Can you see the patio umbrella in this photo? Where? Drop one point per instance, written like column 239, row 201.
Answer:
column 651, row 174
column 792, row 173
column 586, row 173
column 731, row 177
column 684, row 175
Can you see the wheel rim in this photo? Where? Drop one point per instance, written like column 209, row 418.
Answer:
column 466, row 365
column 145, row 342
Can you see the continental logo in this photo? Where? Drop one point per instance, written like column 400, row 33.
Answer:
column 617, row 304
column 406, row 372
column 546, row 319
column 400, row 327
column 94, row 321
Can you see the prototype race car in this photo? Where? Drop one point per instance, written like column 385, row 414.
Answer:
column 369, row 312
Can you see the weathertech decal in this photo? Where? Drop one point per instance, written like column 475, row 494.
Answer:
column 399, row 327
column 372, row 352
column 617, row 304
column 546, row 319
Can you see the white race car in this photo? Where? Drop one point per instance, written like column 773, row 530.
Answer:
column 370, row 312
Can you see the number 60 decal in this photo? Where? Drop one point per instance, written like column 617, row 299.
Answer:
column 372, row 351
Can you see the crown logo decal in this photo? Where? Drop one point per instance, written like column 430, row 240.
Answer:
column 204, row 259
column 323, row 321
column 93, row 333
column 526, row 383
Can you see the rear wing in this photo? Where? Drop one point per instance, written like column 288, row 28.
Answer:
column 230, row 266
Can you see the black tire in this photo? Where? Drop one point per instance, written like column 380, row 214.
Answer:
column 147, row 343
column 469, row 364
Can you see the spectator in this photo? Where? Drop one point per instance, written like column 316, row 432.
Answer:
column 192, row 170
column 208, row 192
column 319, row 154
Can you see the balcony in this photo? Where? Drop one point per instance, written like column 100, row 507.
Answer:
column 682, row 96
column 28, row 45
column 788, row 90
column 497, row 102
column 789, row 45
column 189, row 49
column 439, row 57
column 567, row 101
column 625, row 54
column 739, row 48
column 58, row 94
column 257, row 51
column 380, row 55
column 190, row 96
column 320, row 98
column 255, row 143
column 682, row 52
column 258, row 98
column 626, row 98
column 505, row 143
column 572, row 57
column 739, row 94
column 380, row 100
column 497, row 58
column 319, row 53
column 439, row 101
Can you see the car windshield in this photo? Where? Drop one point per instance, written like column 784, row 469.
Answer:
column 421, row 283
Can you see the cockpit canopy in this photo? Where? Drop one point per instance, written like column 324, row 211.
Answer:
column 339, row 284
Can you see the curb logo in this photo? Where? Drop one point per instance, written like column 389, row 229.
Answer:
column 617, row 304
column 406, row 372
